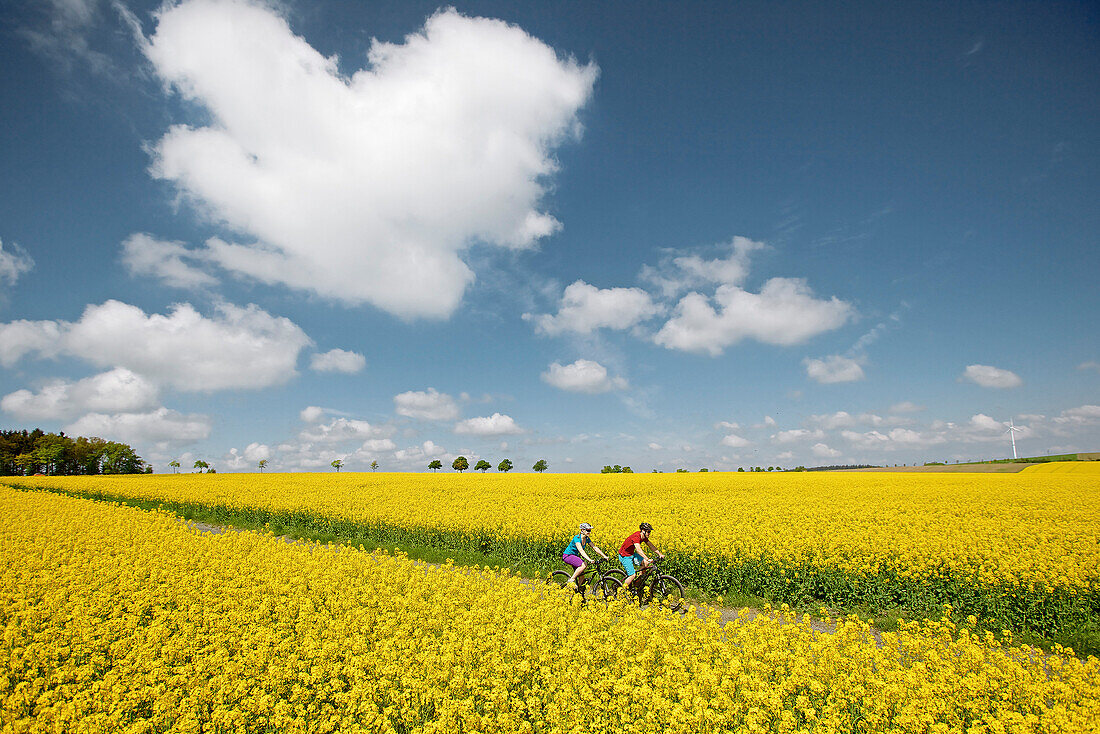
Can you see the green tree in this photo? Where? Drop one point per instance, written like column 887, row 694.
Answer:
column 460, row 464
column 175, row 466
column 374, row 466
column 482, row 465
column 336, row 464
column 505, row 466
column 627, row 470
column 262, row 464
column 541, row 466
column 436, row 465
column 200, row 465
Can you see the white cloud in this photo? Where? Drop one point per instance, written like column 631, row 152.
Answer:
column 494, row 425
column 983, row 422
column 823, row 451
column 251, row 456
column 906, row 407
column 13, row 263
column 161, row 424
column 585, row 308
column 144, row 255
column 1082, row 415
column 338, row 360
column 895, row 439
column 833, row 369
column 311, row 414
column 365, row 188
column 376, row 445
column 986, row 376
column 583, row 376
column 679, row 273
column 1094, row 366
column 734, row 441
column 116, row 391
column 240, row 348
column 785, row 312
column 431, row 405
column 797, row 434
column 343, row 429
column 427, row 450
column 840, row 419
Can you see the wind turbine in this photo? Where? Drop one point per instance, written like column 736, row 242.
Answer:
column 1012, row 432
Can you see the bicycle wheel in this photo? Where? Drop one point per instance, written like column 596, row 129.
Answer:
column 618, row 573
column 667, row 593
column 558, row 579
column 609, row 588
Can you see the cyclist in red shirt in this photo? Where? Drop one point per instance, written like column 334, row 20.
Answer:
column 631, row 555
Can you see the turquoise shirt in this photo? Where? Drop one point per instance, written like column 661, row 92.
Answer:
column 578, row 541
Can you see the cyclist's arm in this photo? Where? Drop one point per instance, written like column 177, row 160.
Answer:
column 597, row 549
column 638, row 550
column 654, row 548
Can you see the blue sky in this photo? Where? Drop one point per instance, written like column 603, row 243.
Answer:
column 659, row 235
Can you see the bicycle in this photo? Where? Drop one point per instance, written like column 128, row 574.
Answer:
column 594, row 578
column 653, row 587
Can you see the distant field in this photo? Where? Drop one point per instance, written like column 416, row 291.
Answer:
column 1082, row 465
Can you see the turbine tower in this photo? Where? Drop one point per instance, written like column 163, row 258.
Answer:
column 1012, row 432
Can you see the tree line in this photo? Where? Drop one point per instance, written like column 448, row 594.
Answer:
column 461, row 464
column 24, row 453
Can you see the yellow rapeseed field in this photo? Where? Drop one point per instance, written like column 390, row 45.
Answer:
column 1032, row 528
column 121, row 620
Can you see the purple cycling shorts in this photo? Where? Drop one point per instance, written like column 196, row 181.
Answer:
column 572, row 560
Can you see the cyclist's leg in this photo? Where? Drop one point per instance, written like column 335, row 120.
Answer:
column 628, row 566
column 576, row 563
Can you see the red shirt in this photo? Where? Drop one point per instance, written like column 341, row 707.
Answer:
column 628, row 544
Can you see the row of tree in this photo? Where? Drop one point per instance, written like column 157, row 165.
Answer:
column 461, row 464
column 23, row 453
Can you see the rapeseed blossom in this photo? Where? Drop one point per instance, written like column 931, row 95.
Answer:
column 117, row 619
column 1018, row 550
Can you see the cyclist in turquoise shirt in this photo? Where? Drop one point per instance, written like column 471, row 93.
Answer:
column 575, row 551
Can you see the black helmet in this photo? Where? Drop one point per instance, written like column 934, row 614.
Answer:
column 646, row 527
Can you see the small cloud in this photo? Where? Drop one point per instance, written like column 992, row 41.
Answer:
column 583, row 376
column 430, row 405
column 494, row 425
column 906, row 407
column 681, row 272
column 342, row 429
column 840, row 419
column 986, row 376
column 822, row 451
column 727, row 425
column 655, row 447
column 312, row 414
column 833, row 369
column 784, row 312
column 797, row 434
column 338, row 360
column 734, row 441
column 585, row 308
column 1091, row 366
column 13, row 263
column 144, row 255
